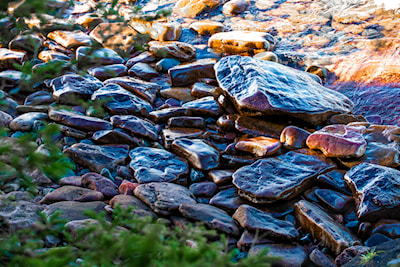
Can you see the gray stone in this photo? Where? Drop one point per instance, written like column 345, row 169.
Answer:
column 156, row 165
column 117, row 136
column 206, row 106
column 100, row 183
column 103, row 56
column 288, row 255
column 73, row 210
column 269, row 88
column 71, row 193
column 25, row 121
column 143, row 71
column 136, row 126
column 127, row 201
column 189, row 73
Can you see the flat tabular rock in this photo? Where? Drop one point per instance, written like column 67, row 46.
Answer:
column 162, row 115
column 103, row 56
column 127, row 201
column 160, row 31
column 242, row 42
column 376, row 191
column 189, row 73
column 72, row 193
column 70, row 39
column 269, row 88
column 178, row 50
column 207, row 27
column 335, row 201
column 199, row 154
column 120, row 101
column 118, row 136
column 164, row 198
column 288, row 255
column 206, row 106
column 227, row 199
column 339, row 141
column 143, row 89
column 212, row 216
column 98, row 157
column 100, row 183
column 81, row 122
column 191, row 8
column 259, row 146
column 136, row 126
column 143, row 71
column 272, row 179
column 254, row 126
column 73, row 210
column 257, row 220
column 317, row 222
column 70, row 88
column 156, row 165
column 108, row 71
column 25, row 121
column 171, row 134
column 10, row 57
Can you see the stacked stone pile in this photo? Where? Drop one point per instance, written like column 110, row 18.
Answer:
column 208, row 125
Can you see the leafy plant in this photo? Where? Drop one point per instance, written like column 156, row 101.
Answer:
column 368, row 257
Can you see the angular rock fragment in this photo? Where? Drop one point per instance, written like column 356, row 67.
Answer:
column 120, row 101
column 103, row 56
column 375, row 190
column 162, row 115
column 70, row 39
column 323, row 227
column 78, row 121
column 70, row 88
column 257, row 220
column 100, row 183
column 335, row 201
column 109, row 71
column 136, row 126
column 10, row 57
column 287, row 255
column 242, row 42
column 199, row 154
column 221, row 177
column 187, row 122
column 178, row 50
column 339, row 141
column 280, row 178
column 189, row 73
column 206, row 106
column 138, row 207
column 254, row 126
column 213, row 217
column 269, row 88
column 156, row 165
column 228, row 199
column 96, row 157
column 164, row 198
column 117, row 136
column 72, row 193
column 171, row 134
column 143, row 71
column 259, row 146
column 25, row 121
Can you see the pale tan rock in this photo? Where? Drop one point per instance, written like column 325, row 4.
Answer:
column 70, row 39
column 234, row 7
column 207, row 27
column 159, row 31
column 191, row 8
column 10, row 57
column 260, row 146
column 179, row 50
column 242, row 42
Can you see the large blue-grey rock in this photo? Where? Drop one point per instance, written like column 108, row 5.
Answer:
column 376, row 191
column 269, row 88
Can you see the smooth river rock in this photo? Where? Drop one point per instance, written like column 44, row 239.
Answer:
column 189, row 73
column 254, row 219
column 135, row 126
column 260, row 146
column 269, row 88
column 100, row 183
column 376, row 191
column 323, row 227
column 164, row 198
column 156, row 165
column 287, row 255
column 72, row 193
column 271, row 179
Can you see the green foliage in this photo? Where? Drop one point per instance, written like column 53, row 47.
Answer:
column 368, row 257
column 123, row 241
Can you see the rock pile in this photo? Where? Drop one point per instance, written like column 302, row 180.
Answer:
column 253, row 148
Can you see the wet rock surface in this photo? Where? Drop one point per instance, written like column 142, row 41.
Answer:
column 200, row 126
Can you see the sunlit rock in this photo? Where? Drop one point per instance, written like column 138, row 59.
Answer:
column 191, row 8
column 259, row 146
column 207, row 27
column 159, row 31
column 70, row 39
column 178, row 50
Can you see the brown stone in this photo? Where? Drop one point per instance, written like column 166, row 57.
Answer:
column 207, row 27
column 70, row 39
column 179, row 50
column 259, row 146
column 191, row 8
column 10, row 57
column 72, row 193
column 159, row 31
column 185, row 74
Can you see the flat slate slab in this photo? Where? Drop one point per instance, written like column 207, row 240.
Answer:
column 212, row 216
column 164, row 198
column 269, row 88
column 156, row 165
column 281, row 178
column 254, row 219
column 376, row 191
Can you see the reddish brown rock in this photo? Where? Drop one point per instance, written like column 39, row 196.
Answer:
column 100, row 183
column 293, row 137
column 72, row 193
column 70, row 39
column 189, row 73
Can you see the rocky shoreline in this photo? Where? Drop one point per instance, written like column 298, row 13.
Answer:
column 216, row 122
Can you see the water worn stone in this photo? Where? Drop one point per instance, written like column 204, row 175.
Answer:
column 288, row 255
column 71, row 180
column 227, row 199
column 191, row 8
column 109, row 71
column 320, row 259
column 200, row 89
column 182, row 94
column 187, row 122
column 156, row 165
column 189, row 73
column 120, row 101
column 72, row 193
column 256, row 127
column 164, row 198
column 138, row 207
column 298, row 95
column 178, row 50
column 234, row 7
column 259, row 146
column 254, row 219
column 375, row 190
column 323, row 227
column 339, row 141
column 242, row 42
column 10, row 57
column 166, row 63
column 207, row 27
column 96, row 157
column 103, row 56
column 5, row 119
column 117, row 136
column 78, row 121
column 335, row 201
column 70, row 39
column 25, row 121
column 143, row 89
column 272, row 179
column 30, row 43
column 162, row 115
column 203, row 189
column 10, row 79
column 136, row 126
column 199, row 154
column 143, row 71
column 293, row 137
column 157, row 30
column 100, row 183
column 390, row 229
column 171, row 134
column 206, row 106
column 221, row 177
column 74, row 210
column 211, row 216
column 70, row 88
